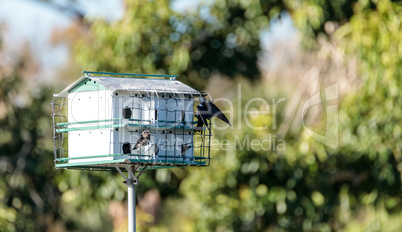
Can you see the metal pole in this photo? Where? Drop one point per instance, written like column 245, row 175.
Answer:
column 131, row 202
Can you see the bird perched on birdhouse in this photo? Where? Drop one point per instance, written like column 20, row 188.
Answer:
column 207, row 110
column 143, row 140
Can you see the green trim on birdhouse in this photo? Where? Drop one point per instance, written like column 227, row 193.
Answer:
column 64, row 124
column 96, row 167
column 155, row 126
column 88, row 73
column 87, row 85
column 135, row 157
column 104, row 163
column 64, row 130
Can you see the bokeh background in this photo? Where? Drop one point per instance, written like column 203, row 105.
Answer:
column 269, row 49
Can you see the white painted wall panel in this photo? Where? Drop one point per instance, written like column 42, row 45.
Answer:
column 89, row 106
column 89, row 143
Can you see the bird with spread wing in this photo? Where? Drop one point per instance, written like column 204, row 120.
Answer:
column 207, row 110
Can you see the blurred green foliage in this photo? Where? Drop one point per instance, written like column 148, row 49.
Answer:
column 151, row 38
column 307, row 187
column 29, row 199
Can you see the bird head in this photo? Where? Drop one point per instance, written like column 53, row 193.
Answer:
column 202, row 100
column 146, row 133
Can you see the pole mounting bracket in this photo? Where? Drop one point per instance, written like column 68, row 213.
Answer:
column 134, row 179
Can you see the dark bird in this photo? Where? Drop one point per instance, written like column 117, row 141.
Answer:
column 199, row 125
column 183, row 116
column 143, row 140
column 156, row 149
column 207, row 110
column 184, row 148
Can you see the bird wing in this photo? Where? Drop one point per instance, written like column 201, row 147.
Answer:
column 139, row 141
column 136, row 145
column 202, row 114
column 183, row 116
column 184, row 148
column 200, row 122
column 215, row 111
column 156, row 149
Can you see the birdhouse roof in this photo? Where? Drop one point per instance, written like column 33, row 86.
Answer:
column 131, row 84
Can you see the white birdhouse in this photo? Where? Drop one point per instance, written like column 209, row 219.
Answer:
column 102, row 120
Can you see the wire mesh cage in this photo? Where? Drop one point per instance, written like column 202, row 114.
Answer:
column 100, row 122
